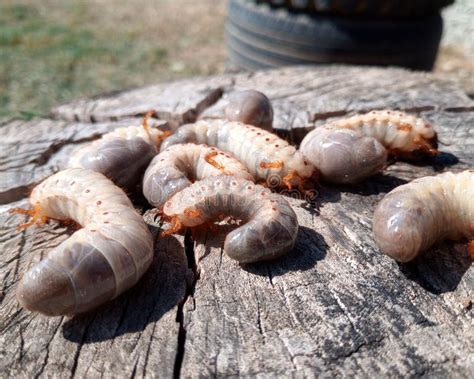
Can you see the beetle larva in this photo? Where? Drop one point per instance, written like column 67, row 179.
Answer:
column 270, row 227
column 178, row 166
column 250, row 107
column 98, row 262
column 122, row 154
column 267, row 156
column 414, row 216
column 348, row 150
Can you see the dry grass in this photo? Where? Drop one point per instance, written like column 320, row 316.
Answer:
column 55, row 51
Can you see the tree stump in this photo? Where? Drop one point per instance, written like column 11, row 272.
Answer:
column 334, row 306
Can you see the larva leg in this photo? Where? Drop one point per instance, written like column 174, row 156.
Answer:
column 176, row 226
column 276, row 164
column 209, row 158
column 36, row 216
column 159, row 138
column 291, row 177
column 145, row 122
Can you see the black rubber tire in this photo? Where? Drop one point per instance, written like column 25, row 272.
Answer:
column 365, row 8
column 261, row 37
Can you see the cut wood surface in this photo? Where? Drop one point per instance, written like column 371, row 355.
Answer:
column 334, row 306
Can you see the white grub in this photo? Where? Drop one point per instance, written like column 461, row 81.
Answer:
column 351, row 149
column 180, row 165
column 270, row 224
column 268, row 157
column 122, row 155
column 98, row 262
column 250, row 107
column 414, row 216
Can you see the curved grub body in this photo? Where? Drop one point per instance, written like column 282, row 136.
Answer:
column 250, row 107
column 351, row 149
column 416, row 215
column 270, row 227
column 178, row 166
column 120, row 155
column 267, row 156
column 98, row 262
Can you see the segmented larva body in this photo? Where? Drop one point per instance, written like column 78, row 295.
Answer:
column 267, row 156
column 179, row 165
column 121, row 155
column 98, row 262
column 270, row 227
column 250, row 107
column 414, row 216
column 348, row 150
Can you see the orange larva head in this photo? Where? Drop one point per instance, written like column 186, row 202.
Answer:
column 426, row 147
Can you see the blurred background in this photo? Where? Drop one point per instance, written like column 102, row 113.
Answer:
column 52, row 52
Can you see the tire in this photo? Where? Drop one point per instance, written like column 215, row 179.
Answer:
column 259, row 37
column 365, row 8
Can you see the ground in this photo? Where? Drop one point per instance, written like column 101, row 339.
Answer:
column 53, row 52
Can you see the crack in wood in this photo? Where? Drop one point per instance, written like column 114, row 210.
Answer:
column 46, row 155
column 190, row 287
column 45, row 361
column 79, row 347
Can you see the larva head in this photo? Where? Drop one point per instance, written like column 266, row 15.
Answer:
column 250, row 107
column 396, row 227
column 47, row 289
column 343, row 155
column 162, row 183
column 421, row 136
column 299, row 164
column 424, row 137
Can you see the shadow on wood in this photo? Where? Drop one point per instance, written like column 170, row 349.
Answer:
column 439, row 269
column 375, row 185
column 310, row 248
column 302, row 258
column 439, row 162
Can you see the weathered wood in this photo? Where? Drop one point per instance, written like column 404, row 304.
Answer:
column 300, row 96
column 333, row 307
column 179, row 101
